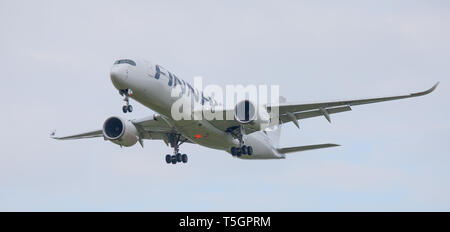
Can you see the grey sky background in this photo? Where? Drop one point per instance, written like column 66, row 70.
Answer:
column 55, row 60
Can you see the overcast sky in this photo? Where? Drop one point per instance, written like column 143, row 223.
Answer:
column 55, row 58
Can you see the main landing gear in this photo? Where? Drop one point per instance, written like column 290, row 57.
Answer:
column 127, row 93
column 175, row 142
column 242, row 149
column 178, row 158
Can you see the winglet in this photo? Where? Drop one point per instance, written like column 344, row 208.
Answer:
column 426, row 91
column 53, row 134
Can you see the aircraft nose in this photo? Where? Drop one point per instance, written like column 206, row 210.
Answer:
column 118, row 76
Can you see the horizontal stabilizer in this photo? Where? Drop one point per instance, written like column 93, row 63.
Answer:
column 305, row 148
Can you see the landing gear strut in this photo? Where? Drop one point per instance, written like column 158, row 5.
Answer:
column 126, row 93
column 242, row 149
column 175, row 142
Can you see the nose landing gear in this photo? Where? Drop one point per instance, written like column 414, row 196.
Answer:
column 127, row 108
column 127, row 93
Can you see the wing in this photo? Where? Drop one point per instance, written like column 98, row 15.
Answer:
column 152, row 128
column 86, row 135
column 293, row 112
column 289, row 112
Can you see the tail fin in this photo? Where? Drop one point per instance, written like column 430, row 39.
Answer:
column 305, row 148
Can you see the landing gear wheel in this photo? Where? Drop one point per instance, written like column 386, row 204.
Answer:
column 238, row 152
column 126, row 93
column 233, row 151
column 174, row 159
column 249, row 150
column 168, row 159
column 244, row 150
column 175, row 141
column 184, row 158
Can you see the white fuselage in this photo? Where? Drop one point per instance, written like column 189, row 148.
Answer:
column 154, row 92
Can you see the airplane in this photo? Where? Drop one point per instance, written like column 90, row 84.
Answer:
column 151, row 85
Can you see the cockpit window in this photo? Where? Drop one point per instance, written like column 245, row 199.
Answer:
column 125, row 61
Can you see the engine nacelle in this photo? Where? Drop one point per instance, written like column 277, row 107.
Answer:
column 120, row 131
column 250, row 115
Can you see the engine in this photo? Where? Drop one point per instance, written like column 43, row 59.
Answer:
column 250, row 115
column 120, row 131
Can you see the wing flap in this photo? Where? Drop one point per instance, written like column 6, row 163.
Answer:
column 314, row 113
column 154, row 123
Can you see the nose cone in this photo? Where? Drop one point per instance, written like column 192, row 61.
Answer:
column 118, row 76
